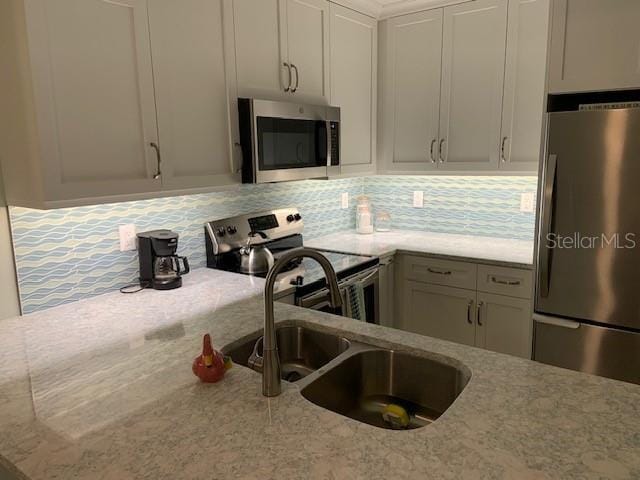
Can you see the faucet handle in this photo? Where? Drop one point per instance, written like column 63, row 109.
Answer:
column 256, row 361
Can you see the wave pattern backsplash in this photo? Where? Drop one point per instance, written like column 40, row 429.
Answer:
column 69, row 254
column 73, row 253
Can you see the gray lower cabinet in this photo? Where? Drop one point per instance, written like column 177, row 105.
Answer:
column 474, row 315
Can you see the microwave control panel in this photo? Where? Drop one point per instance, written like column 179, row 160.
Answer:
column 335, row 143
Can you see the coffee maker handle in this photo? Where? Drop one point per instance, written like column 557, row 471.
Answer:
column 185, row 264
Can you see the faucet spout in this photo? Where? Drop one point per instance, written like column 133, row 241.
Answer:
column 271, row 381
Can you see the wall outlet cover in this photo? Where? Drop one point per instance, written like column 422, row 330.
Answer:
column 527, row 200
column 344, row 200
column 418, row 199
column 127, row 237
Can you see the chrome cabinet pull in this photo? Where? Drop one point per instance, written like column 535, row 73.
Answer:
column 288, row 87
column 502, row 157
column 439, row 272
column 469, row 308
column 442, row 140
column 158, row 173
column 479, row 314
column 294, row 89
column 510, row 283
column 433, row 144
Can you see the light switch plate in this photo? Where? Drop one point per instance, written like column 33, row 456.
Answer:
column 527, row 200
column 418, row 199
column 127, row 237
column 344, row 200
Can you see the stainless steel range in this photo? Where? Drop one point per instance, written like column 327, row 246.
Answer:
column 230, row 241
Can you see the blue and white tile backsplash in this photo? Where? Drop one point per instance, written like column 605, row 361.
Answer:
column 73, row 253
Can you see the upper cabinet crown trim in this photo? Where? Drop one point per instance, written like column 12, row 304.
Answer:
column 382, row 9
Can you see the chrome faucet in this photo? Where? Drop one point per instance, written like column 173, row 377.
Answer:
column 269, row 362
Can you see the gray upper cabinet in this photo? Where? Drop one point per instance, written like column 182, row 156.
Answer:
column 595, row 45
column 410, row 53
column 524, row 85
column 282, row 49
column 354, row 39
column 462, row 88
column 115, row 100
column 473, row 56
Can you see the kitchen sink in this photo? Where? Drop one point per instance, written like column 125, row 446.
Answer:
column 302, row 351
column 373, row 386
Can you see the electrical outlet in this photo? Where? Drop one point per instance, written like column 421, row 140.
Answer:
column 344, row 200
column 127, row 237
column 527, row 200
column 418, row 199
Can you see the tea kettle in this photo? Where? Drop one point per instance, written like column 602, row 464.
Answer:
column 255, row 259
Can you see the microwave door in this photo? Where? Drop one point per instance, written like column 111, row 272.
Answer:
column 588, row 260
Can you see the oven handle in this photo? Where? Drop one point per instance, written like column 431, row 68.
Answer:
column 313, row 299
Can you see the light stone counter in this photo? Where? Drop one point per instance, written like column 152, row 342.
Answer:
column 103, row 389
column 499, row 251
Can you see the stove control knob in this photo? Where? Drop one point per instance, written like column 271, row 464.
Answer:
column 231, row 229
column 290, row 218
column 297, row 217
column 221, row 232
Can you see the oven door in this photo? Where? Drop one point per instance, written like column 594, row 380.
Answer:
column 367, row 282
column 291, row 141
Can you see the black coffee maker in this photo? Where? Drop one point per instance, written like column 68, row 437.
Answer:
column 159, row 264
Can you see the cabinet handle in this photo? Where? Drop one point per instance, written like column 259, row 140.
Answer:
column 288, row 87
column 504, row 141
column 442, row 140
column 293, row 90
column 479, row 314
column 433, row 144
column 158, row 173
column 439, row 272
column 511, row 283
column 469, row 308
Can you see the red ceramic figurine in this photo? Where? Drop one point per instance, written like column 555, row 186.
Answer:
column 209, row 367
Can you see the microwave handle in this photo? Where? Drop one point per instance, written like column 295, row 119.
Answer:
column 327, row 130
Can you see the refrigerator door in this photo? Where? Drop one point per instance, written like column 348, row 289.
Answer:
column 601, row 351
column 588, row 259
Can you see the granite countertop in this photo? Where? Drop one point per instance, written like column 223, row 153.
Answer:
column 498, row 251
column 103, row 389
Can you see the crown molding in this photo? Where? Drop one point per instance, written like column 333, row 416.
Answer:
column 381, row 9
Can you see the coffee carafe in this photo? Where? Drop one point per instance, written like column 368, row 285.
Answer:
column 160, row 267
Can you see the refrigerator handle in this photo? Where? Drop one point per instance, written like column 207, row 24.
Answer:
column 547, row 220
column 558, row 322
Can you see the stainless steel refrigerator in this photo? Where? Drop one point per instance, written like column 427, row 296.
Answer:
column 587, row 302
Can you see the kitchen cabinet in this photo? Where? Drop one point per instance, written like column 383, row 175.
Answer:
column 195, row 93
column 503, row 324
column 462, row 88
column 474, row 304
column 440, row 312
column 473, row 52
column 594, row 45
column 354, row 42
column 386, row 290
column 282, row 49
column 111, row 101
column 410, row 53
column 524, row 85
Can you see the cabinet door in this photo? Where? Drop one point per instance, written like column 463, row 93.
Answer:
column 411, row 49
column 260, row 52
column 192, row 85
column 307, row 36
column 594, row 45
column 523, row 103
column 354, row 43
column 473, row 58
column 440, row 312
column 386, row 281
column 93, row 95
column 504, row 324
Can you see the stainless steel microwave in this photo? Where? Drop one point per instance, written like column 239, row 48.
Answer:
column 284, row 141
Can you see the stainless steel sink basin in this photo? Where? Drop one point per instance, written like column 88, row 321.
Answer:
column 302, row 351
column 363, row 385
